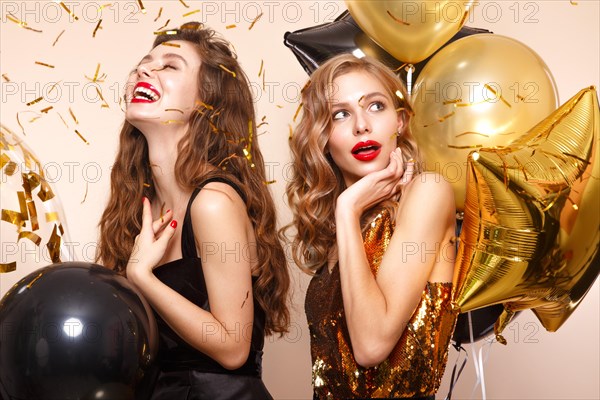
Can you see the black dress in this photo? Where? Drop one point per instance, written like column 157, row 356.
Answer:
column 184, row 372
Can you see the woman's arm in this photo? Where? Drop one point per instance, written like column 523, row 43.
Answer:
column 378, row 309
column 221, row 228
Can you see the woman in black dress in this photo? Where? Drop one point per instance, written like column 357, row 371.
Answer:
column 190, row 219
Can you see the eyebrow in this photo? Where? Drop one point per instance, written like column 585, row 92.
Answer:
column 363, row 98
column 149, row 58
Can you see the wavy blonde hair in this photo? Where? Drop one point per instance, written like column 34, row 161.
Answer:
column 220, row 134
column 316, row 180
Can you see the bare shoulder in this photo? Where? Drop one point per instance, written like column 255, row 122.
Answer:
column 429, row 192
column 430, row 184
column 218, row 200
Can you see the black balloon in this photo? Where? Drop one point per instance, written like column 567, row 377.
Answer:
column 75, row 331
column 482, row 321
column 314, row 45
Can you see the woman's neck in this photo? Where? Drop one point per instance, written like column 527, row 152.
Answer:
column 162, row 152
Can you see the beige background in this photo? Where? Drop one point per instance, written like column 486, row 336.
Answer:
column 534, row 365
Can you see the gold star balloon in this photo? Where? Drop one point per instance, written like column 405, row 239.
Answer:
column 531, row 230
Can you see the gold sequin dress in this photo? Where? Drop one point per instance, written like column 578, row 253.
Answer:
column 416, row 364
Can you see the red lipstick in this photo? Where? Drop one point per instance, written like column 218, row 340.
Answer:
column 143, row 92
column 367, row 150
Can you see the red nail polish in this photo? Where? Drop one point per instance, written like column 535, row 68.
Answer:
column 167, row 211
column 173, row 224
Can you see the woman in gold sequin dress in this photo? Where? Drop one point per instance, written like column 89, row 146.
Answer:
column 376, row 233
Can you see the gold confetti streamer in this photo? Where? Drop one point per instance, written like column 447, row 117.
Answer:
column 23, row 206
column 297, row 112
column 20, row 125
column 86, row 192
column 250, row 135
column 173, row 32
column 35, row 101
column 488, row 87
column 173, row 109
column 171, row 44
column 475, row 146
column 291, row 132
column 278, row 106
column 146, row 185
column 574, row 3
column 185, row 5
column 187, row 14
column 447, row 102
column 12, row 217
column 227, row 70
column 263, row 82
column 142, row 9
column 22, row 24
column 5, row 77
column 255, row 21
column 58, row 37
column 73, row 116
column 231, row 26
column 53, row 246
column 31, row 236
column 34, row 119
column 159, row 14
column 472, row 133
column 52, row 216
column 164, row 26
column 81, row 136
column 96, row 78
column 105, row 5
column 8, row 267
column 400, row 67
column 45, row 110
column 306, row 85
column 105, row 104
column 63, row 120
column 262, row 63
column 270, row 182
column 69, row 11
column 464, row 18
column 97, row 27
column 360, row 100
column 45, row 192
column 397, row 19
column 226, row 159
column 44, row 64
column 33, row 216
column 53, row 87
column 4, row 159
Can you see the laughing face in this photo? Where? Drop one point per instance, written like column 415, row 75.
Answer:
column 164, row 86
column 364, row 125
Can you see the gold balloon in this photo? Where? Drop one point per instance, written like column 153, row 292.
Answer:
column 410, row 31
column 481, row 91
column 531, row 230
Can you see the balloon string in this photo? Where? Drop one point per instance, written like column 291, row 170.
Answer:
column 454, row 380
column 473, row 351
column 478, row 361
column 482, row 375
column 409, row 73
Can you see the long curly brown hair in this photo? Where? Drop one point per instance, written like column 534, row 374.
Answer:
column 316, row 181
column 221, row 134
